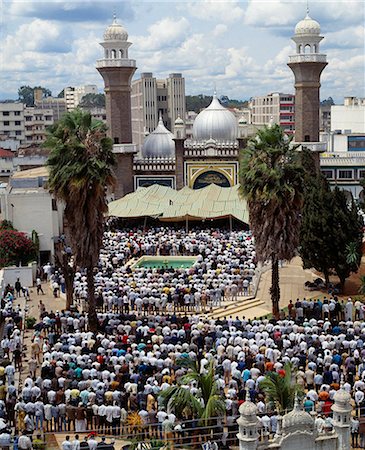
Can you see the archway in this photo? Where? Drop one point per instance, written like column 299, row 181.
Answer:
column 211, row 177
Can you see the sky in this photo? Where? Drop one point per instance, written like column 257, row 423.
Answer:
column 239, row 47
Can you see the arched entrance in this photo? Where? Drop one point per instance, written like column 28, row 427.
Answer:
column 211, row 177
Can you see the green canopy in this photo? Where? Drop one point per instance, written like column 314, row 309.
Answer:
column 165, row 203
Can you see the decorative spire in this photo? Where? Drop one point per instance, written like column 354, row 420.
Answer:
column 307, row 7
column 114, row 16
column 296, row 402
column 247, row 389
column 342, row 381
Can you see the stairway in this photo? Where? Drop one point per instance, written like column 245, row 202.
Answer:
column 235, row 308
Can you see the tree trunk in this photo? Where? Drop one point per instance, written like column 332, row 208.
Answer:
column 326, row 277
column 275, row 289
column 92, row 316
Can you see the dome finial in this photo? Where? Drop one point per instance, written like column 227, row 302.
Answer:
column 296, row 402
column 114, row 16
column 307, row 7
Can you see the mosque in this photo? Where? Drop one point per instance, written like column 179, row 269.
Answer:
column 212, row 155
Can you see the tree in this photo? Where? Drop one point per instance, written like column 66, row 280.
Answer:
column 65, row 261
column 347, row 235
column 26, row 94
column 92, row 101
column 16, row 248
column 272, row 182
column 80, row 166
column 206, row 405
column 61, row 94
column 280, row 389
column 316, row 242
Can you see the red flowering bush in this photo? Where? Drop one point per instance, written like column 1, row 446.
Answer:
column 16, row 248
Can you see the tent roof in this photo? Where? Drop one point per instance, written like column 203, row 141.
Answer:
column 211, row 202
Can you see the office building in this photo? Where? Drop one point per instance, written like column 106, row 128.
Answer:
column 275, row 107
column 73, row 95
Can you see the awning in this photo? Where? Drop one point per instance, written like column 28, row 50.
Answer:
column 167, row 204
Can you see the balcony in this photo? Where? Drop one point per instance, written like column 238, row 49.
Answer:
column 101, row 63
column 343, row 159
column 309, row 57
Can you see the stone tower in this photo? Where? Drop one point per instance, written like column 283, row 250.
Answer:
column 117, row 71
column 307, row 65
column 342, row 418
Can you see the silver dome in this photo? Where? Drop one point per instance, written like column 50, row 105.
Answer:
column 159, row 143
column 215, row 122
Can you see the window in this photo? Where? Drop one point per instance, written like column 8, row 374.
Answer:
column 361, row 173
column 28, row 118
column 18, row 133
column 356, row 143
column 328, row 174
column 16, row 113
column 6, row 123
column 6, row 113
column 345, row 174
column 17, row 122
column 48, row 118
column 54, row 205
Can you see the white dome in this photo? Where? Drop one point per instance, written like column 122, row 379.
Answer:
column 115, row 32
column 159, row 143
column 297, row 419
column 307, row 26
column 215, row 122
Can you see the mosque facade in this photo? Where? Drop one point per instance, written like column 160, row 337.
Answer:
column 211, row 155
column 297, row 429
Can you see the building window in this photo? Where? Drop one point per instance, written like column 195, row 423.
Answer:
column 17, row 122
column 18, row 133
column 345, row 174
column 361, row 173
column 54, row 205
column 356, row 143
column 6, row 113
column 28, row 118
column 328, row 174
column 6, row 123
column 16, row 113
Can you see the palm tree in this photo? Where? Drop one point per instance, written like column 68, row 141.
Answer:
column 80, row 171
column 205, row 406
column 272, row 182
column 280, row 390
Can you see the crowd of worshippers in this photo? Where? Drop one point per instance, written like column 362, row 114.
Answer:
column 93, row 382
column 224, row 269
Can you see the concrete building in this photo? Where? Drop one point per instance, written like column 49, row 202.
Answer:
column 276, row 107
column 36, row 121
column 344, row 161
column 12, row 121
column 349, row 117
column 28, row 204
column 325, row 118
column 73, row 95
column 152, row 98
column 307, row 65
column 6, row 164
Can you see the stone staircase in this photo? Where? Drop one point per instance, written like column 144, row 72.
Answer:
column 236, row 308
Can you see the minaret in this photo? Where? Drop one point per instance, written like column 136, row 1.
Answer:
column 307, row 66
column 342, row 417
column 180, row 135
column 248, row 423
column 117, row 71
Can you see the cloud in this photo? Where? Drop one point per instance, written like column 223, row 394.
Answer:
column 220, row 29
column 167, row 32
column 352, row 37
column 227, row 11
column 71, row 11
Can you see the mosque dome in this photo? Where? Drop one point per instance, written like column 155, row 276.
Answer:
column 248, row 408
column 342, row 401
column 215, row 122
column 159, row 143
column 115, row 32
column 297, row 419
column 307, row 26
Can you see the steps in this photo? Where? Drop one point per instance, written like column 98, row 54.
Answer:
column 235, row 308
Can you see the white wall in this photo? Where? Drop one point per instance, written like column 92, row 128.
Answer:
column 348, row 118
column 32, row 210
column 9, row 275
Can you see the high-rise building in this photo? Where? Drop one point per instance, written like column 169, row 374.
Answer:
column 276, row 107
column 73, row 95
column 152, row 98
column 36, row 121
column 117, row 70
column 307, row 65
column 12, row 121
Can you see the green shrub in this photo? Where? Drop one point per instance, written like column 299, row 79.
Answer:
column 30, row 322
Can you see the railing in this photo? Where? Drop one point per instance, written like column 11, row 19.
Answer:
column 310, row 57
column 343, row 159
column 211, row 152
column 115, row 63
column 154, row 164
